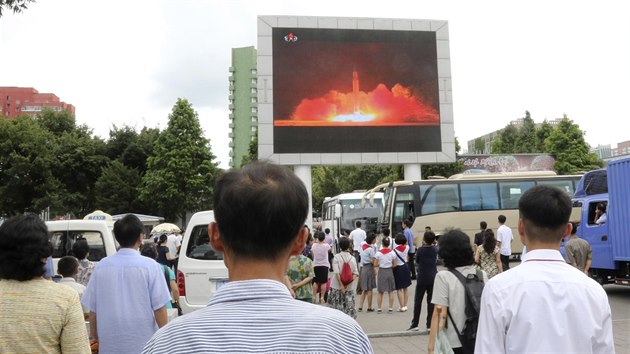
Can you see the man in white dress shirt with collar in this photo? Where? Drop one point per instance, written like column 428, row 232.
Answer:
column 544, row 305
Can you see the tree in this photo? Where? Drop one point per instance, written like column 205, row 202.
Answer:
column 180, row 172
column 444, row 169
column 116, row 190
column 480, row 146
column 526, row 136
column 505, row 143
column 252, row 152
column 27, row 182
column 572, row 153
column 16, row 6
column 542, row 133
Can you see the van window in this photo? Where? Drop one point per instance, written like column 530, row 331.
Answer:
column 199, row 245
column 62, row 242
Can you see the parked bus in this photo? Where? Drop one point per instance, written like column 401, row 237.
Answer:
column 463, row 200
column 339, row 213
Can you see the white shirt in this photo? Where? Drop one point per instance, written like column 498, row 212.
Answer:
column 80, row 288
column 357, row 236
column 601, row 219
column 385, row 260
column 172, row 242
column 449, row 291
column 544, row 306
column 504, row 235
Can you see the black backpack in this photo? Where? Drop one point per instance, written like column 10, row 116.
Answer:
column 473, row 284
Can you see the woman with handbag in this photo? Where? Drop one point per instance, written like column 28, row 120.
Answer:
column 402, row 275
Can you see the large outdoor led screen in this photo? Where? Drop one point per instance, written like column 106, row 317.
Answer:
column 353, row 90
column 346, row 90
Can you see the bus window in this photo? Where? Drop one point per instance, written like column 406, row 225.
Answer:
column 479, row 196
column 564, row 184
column 511, row 192
column 439, row 198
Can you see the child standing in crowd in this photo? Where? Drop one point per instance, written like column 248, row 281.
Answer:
column 367, row 277
column 341, row 296
column 385, row 259
column 426, row 260
column 319, row 251
column 402, row 276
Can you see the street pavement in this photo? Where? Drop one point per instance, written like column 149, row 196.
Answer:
column 388, row 332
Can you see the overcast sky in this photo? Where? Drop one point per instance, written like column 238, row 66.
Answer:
column 126, row 62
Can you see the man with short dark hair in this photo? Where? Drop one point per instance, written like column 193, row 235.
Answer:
column 578, row 250
column 479, row 235
column 504, row 241
column 412, row 248
column 260, row 212
column 126, row 295
column 544, row 305
column 68, row 268
column 357, row 236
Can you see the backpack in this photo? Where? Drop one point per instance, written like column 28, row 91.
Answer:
column 473, row 285
column 346, row 275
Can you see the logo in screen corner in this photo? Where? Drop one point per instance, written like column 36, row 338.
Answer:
column 290, row 38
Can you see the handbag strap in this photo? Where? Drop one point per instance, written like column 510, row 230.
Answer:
column 398, row 254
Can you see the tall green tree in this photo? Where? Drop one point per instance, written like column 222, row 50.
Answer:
column 116, row 190
column 542, row 133
column 252, row 154
column 16, row 6
column 27, row 162
column 526, row 138
column 181, row 171
column 506, row 142
column 572, row 153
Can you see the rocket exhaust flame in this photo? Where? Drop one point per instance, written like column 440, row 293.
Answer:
column 382, row 106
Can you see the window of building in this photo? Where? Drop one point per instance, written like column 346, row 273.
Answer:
column 254, row 120
column 254, row 90
column 254, row 81
column 254, row 128
column 254, row 110
column 254, row 100
column 253, row 71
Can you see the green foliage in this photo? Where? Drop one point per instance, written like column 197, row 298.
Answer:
column 116, row 189
column 332, row 180
column 526, row 137
column 566, row 143
column 131, row 148
column 180, row 172
column 57, row 122
column 16, row 6
column 506, row 142
column 252, row 152
column 27, row 162
column 480, row 146
column 444, row 169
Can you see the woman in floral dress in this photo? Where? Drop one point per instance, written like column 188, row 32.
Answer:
column 487, row 256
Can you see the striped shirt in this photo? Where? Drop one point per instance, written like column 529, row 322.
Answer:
column 259, row 316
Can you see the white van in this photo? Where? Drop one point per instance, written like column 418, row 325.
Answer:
column 98, row 233
column 200, row 271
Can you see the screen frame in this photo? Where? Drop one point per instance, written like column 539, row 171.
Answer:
column 445, row 154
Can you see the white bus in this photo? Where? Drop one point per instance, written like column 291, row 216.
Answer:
column 464, row 200
column 340, row 213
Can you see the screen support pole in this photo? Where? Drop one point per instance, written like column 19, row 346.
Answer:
column 413, row 171
column 304, row 174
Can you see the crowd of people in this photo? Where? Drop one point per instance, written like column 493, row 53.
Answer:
column 278, row 287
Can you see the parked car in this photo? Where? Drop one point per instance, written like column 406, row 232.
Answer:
column 98, row 233
column 201, row 271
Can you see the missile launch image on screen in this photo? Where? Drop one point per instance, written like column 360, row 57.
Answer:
column 399, row 88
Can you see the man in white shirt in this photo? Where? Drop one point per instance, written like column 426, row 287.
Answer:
column 357, row 236
column 504, row 241
column 68, row 268
column 544, row 305
column 173, row 243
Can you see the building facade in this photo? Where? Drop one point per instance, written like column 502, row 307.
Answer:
column 622, row 148
column 243, row 103
column 16, row 101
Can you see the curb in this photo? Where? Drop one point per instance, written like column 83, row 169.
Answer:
column 397, row 334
